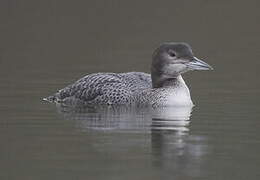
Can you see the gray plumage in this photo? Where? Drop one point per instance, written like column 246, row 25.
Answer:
column 163, row 87
column 105, row 88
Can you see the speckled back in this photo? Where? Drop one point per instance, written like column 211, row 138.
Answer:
column 105, row 88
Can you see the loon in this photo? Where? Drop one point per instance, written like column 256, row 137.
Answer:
column 164, row 87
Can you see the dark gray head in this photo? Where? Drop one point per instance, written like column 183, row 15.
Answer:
column 172, row 59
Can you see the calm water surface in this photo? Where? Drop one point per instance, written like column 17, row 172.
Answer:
column 218, row 139
column 46, row 46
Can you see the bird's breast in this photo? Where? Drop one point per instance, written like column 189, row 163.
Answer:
column 178, row 97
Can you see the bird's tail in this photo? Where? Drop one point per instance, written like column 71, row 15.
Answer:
column 50, row 99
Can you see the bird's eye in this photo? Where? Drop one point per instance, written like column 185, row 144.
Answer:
column 172, row 54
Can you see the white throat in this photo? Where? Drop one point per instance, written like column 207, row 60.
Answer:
column 179, row 95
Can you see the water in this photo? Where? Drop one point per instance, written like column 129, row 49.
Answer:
column 46, row 46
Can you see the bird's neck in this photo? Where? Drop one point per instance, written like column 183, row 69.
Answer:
column 160, row 80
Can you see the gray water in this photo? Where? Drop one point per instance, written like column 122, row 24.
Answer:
column 46, row 45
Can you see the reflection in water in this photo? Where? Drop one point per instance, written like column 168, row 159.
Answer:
column 128, row 118
column 171, row 118
column 172, row 146
column 107, row 118
column 179, row 151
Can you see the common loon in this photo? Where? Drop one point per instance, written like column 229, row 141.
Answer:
column 164, row 87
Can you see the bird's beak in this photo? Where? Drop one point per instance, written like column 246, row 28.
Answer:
column 197, row 64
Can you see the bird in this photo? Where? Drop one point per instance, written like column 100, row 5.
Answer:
column 163, row 87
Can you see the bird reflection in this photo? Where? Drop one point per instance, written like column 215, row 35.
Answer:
column 173, row 147
column 127, row 118
column 171, row 118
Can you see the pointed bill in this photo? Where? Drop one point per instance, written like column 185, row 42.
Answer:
column 197, row 64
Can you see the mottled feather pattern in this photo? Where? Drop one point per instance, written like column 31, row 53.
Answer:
column 153, row 97
column 105, row 88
